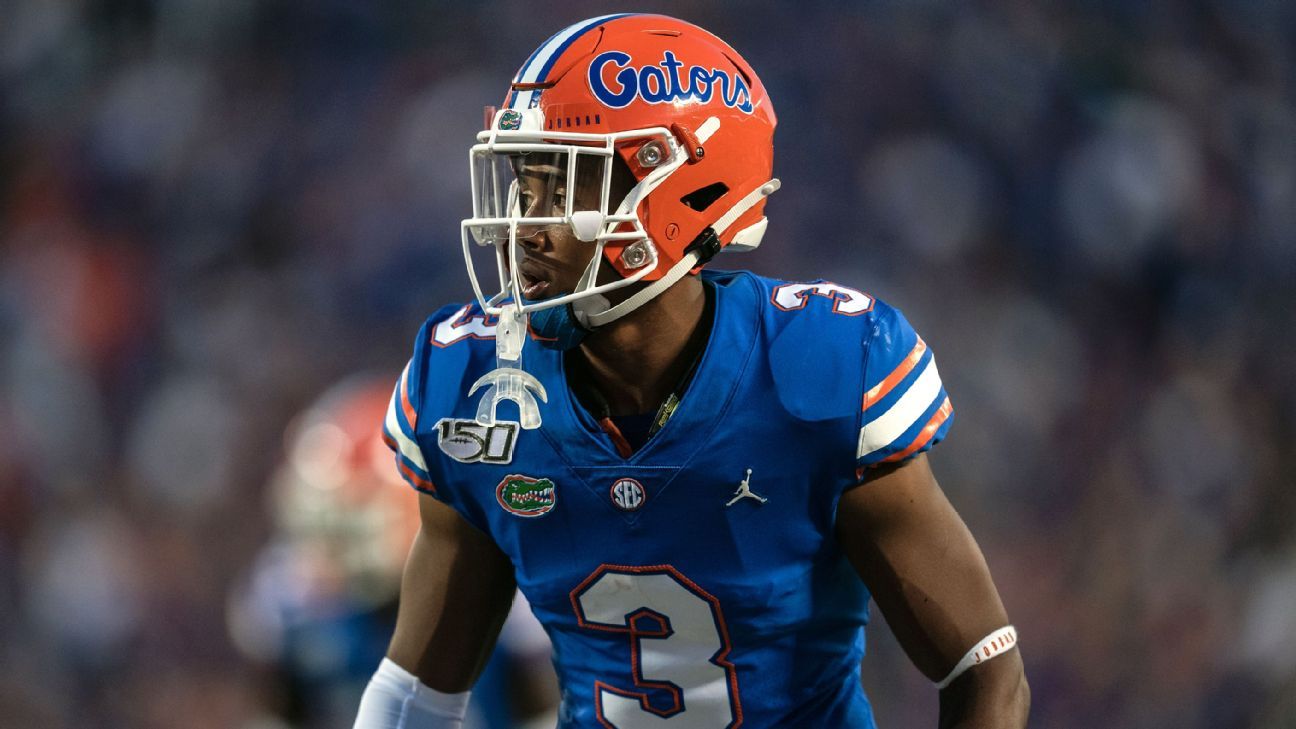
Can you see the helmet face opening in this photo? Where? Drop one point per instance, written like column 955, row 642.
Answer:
column 532, row 192
column 537, row 188
column 540, row 212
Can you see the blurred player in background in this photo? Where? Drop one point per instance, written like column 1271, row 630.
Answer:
column 697, row 478
column 319, row 605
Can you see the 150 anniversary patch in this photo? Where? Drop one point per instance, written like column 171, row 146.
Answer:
column 468, row 441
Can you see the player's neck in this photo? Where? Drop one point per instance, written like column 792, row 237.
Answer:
column 637, row 361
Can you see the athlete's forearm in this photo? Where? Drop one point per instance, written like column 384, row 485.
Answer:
column 455, row 595
column 993, row 695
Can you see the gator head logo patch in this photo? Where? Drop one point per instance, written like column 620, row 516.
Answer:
column 526, row 496
column 510, row 119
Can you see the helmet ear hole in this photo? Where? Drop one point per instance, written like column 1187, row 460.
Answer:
column 740, row 68
column 702, row 198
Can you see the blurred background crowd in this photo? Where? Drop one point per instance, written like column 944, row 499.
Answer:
column 212, row 211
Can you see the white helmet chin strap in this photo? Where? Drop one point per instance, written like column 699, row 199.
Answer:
column 592, row 316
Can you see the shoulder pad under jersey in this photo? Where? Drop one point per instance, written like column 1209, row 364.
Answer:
column 836, row 351
column 453, row 347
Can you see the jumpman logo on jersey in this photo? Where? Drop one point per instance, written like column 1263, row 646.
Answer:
column 744, row 491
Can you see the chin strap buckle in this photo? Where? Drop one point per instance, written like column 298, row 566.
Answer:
column 707, row 245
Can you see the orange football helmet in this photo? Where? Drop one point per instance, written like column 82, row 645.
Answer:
column 685, row 114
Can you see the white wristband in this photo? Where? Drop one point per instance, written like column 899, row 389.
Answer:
column 396, row 699
column 995, row 644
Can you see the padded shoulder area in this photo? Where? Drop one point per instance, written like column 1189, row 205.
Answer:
column 817, row 333
column 455, row 346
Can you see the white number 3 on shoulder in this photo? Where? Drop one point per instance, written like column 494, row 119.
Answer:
column 848, row 301
column 678, row 645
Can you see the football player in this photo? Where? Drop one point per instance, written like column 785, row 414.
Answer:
column 697, row 478
column 316, row 610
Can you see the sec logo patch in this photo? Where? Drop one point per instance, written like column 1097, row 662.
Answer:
column 628, row 494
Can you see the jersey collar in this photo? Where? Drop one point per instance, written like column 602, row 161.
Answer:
column 577, row 439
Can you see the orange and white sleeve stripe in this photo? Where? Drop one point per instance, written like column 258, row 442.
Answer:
column 399, row 429
column 906, row 412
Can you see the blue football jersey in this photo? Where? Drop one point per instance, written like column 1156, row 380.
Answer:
column 698, row 582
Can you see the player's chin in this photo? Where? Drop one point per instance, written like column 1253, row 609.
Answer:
column 537, row 290
column 542, row 285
